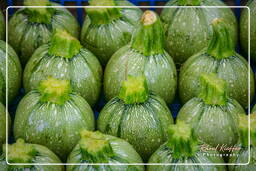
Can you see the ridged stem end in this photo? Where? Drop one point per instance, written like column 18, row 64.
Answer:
column 39, row 15
column 95, row 147
column 182, row 140
column 54, row 90
column 134, row 90
column 103, row 15
column 148, row 38
column 64, row 45
column 213, row 89
column 189, row 2
column 221, row 45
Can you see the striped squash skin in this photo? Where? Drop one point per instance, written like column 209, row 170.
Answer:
column 189, row 30
column 142, row 125
column 84, row 71
column 54, row 126
column 3, row 125
column 14, row 73
column 25, row 37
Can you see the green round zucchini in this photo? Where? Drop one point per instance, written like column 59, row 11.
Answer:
column 189, row 30
column 65, row 58
column 22, row 152
column 137, row 116
column 53, row 116
column 220, row 58
column 95, row 147
column 144, row 55
column 14, row 73
column 29, row 28
column 3, row 125
column 105, row 30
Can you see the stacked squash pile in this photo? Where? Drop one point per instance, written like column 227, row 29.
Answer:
column 139, row 62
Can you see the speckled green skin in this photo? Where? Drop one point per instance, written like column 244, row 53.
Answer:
column 84, row 71
column 244, row 29
column 143, row 125
column 54, row 126
column 44, row 155
column 25, row 37
column 189, row 30
column 123, row 153
column 242, row 158
column 253, row 109
column 234, row 70
column 213, row 124
column 104, row 40
column 2, row 26
column 164, row 155
column 14, row 73
column 160, row 72
column 3, row 125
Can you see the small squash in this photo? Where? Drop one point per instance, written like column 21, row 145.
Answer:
column 105, row 30
column 183, row 148
column 53, row 116
column 29, row 28
column 65, row 58
column 220, row 58
column 96, row 148
column 22, row 152
column 138, row 116
column 213, row 115
column 246, row 149
column 144, row 55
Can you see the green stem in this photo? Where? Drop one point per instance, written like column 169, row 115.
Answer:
column 94, row 147
column 189, row 2
column 243, row 129
column 221, row 45
column 148, row 38
column 182, row 140
column 54, row 90
column 103, row 15
column 39, row 15
column 134, row 90
column 64, row 45
column 20, row 152
column 213, row 89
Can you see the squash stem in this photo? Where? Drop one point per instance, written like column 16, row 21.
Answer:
column 182, row 140
column 94, row 147
column 134, row 90
column 243, row 129
column 189, row 2
column 148, row 38
column 39, row 15
column 221, row 45
column 64, row 45
column 20, row 152
column 213, row 89
column 54, row 90
column 103, row 15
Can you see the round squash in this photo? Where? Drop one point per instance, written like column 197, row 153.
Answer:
column 188, row 30
column 137, row 116
column 29, row 28
column 53, row 116
column 244, row 29
column 14, row 73
column 183, row 148
column 144, row 55
column 242, row 156
column 212, row 114
column 95, row 147
column 220, row 58
column 3, row 125
column 21, row 152
column 2, row 26
column 65, row 58
column 105, row 30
